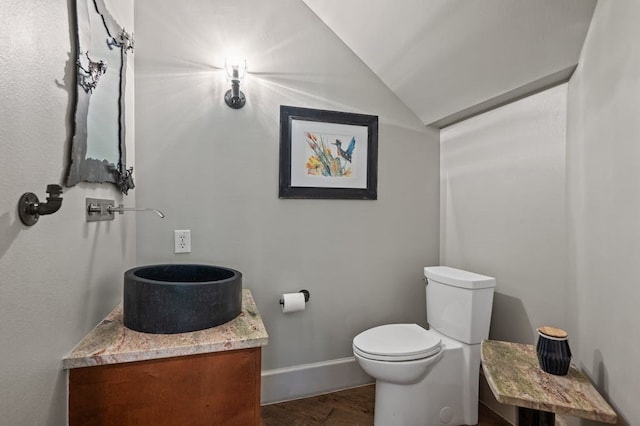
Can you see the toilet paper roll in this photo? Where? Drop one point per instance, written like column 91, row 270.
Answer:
column 293, row 302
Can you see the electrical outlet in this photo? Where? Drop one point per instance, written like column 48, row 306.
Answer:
column 182, row 241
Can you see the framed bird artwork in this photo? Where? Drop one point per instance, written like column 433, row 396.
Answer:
column 328, row 154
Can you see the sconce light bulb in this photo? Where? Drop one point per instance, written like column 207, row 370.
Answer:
column 235, row 67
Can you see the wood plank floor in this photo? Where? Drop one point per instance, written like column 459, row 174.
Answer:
column 347, row 407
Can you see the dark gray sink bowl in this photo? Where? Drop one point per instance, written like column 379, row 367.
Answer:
column 167, row 299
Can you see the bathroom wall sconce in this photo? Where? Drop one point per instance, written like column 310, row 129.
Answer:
column 235, row 69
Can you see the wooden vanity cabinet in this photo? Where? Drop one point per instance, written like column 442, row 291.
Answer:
column 220, row 388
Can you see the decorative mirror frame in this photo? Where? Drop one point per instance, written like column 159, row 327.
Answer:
column 82, row 169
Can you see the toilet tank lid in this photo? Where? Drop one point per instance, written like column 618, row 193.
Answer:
column 458, row 277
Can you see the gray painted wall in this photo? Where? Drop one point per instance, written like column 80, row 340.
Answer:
column 214, row 170
column 59, row 278
column 603, row 150
column 503, row 213
column 503, row 209
column 601, row 296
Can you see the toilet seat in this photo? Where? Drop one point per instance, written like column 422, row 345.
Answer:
column 397, row 342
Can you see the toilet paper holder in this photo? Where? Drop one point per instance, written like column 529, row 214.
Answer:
column 306, row 296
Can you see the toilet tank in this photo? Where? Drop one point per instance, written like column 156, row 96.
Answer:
column 459, row 303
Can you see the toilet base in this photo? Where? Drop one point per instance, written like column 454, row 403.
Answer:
column 447, row 395
column 411, row 407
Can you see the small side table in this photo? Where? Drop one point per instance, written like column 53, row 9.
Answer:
column 515, row 378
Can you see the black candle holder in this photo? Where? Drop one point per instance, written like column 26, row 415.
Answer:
column 554, row 354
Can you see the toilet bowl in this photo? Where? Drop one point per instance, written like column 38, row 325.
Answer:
column 397, row 353
column 430, row 377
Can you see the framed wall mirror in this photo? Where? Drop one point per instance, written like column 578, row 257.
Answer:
column 98, row 150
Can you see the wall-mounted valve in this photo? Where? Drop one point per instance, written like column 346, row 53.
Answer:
column 98, row 209
column 30, row 208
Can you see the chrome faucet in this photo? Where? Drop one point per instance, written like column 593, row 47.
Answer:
column 121, row 209
column 99, row 209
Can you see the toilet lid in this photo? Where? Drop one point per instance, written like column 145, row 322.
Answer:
column 397, row 342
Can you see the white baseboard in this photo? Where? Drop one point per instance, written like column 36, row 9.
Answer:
column 301, row 381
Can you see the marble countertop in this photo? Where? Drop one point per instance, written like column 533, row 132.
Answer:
column 515, row 378
column 110, row 342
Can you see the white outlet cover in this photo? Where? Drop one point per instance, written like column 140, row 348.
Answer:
column 182, row 241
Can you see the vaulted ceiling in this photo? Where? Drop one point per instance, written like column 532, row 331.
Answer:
column 450, row 59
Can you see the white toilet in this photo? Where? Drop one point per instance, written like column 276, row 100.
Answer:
column 430, row 377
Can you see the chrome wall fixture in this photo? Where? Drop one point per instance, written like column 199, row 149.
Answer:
column 30, row 208
column 99, row 209
column 235, row 69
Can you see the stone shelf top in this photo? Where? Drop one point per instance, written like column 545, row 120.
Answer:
column 515, row 378
column 110, row 342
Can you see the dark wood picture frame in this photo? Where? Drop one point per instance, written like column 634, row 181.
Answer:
column 304, row 131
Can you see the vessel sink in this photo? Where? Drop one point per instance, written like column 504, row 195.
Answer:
column 179, row 298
